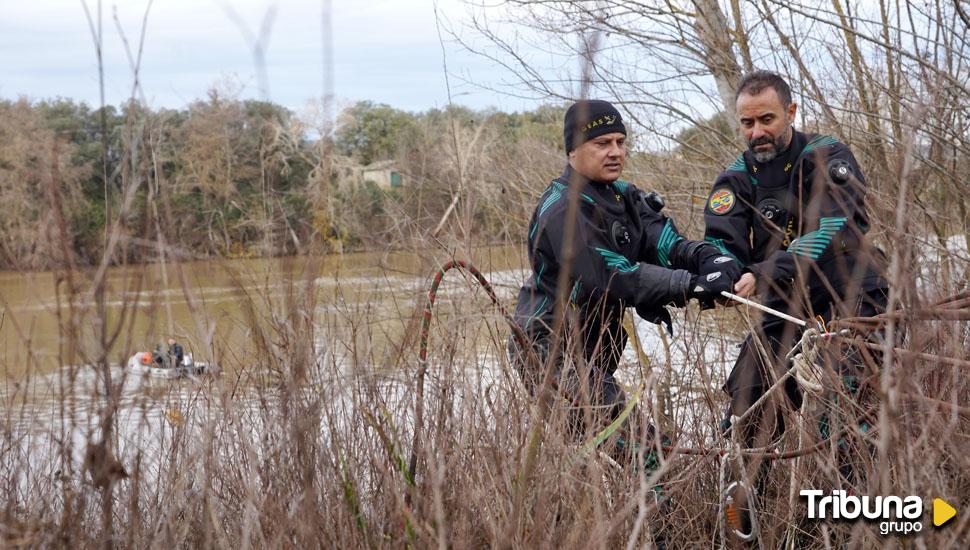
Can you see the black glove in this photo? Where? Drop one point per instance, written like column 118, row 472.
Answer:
column 727, row 265
column 707, row 287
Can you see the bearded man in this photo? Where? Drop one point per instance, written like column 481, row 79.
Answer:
column 791, row 212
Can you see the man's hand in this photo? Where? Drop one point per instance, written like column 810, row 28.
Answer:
column 746, row 285
column 725, row 264
column 707, row 288
column 723, row 271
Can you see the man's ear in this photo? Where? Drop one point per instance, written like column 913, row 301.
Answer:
column 792, row 109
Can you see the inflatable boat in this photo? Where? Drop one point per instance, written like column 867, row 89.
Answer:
column 142, row 364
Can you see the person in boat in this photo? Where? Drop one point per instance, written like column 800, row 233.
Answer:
column 158, row 357
column 175, row 353
column 624, row 253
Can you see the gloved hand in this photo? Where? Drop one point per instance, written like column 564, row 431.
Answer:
column 707, row 288
column 727, row 265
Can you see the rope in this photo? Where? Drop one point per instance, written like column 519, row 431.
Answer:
column 805, row 363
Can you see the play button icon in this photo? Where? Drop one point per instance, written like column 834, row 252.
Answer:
column 942, row 512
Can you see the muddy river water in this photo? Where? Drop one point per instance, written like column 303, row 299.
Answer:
column 213, row 307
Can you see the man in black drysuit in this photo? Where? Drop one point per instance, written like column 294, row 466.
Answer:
column 626, row 254
column 176, row 355
column 791, row 211
column 158, row 358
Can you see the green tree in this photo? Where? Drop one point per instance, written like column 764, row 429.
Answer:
column 369, row 132
column 81, row 126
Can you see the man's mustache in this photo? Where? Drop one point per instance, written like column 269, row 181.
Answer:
column 763, row 140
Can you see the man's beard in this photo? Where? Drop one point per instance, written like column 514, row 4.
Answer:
column 768, row 155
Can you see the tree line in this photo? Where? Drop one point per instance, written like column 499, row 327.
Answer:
column 228, row 177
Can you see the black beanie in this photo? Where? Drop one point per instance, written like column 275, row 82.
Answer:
column 589, row 118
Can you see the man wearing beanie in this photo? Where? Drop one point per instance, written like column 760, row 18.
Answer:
column 625, row 253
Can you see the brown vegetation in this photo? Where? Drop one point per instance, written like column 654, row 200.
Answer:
column 304, row 442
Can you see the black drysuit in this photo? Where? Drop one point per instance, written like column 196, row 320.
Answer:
column 176, row 353
column 798, row 223
column 627, row 254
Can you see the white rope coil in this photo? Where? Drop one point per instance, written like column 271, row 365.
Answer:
column 806, row 365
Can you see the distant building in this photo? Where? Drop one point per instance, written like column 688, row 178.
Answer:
column 383, row 174
column 348, row 174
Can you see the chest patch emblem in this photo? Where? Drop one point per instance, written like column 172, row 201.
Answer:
column 721, row 202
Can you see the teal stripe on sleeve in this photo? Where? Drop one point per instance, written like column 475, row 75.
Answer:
column 719, row 244
column 820, row 141
column 617, row 261
column 554, row 194
column 812, row 245
column 738, row 165
column 668, row 238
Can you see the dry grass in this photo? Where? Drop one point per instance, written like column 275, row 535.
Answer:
column 305, row 443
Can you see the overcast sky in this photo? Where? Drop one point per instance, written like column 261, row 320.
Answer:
column 384, row 50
